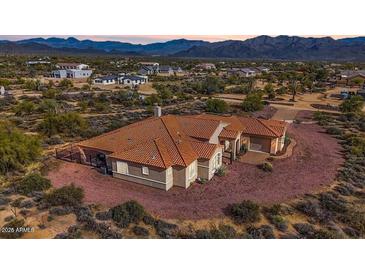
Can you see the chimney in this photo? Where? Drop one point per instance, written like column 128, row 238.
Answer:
column 157, row 111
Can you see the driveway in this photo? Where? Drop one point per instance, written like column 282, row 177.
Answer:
column 313, row 166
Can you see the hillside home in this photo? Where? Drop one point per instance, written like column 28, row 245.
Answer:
column 167, row 151
column 167, row 70
column 243, row 72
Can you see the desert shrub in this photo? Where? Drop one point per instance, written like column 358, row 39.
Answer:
column 253, row 102
column 164, row 229
column 279, row 222
column 221, row 171
column 322, row 118
column 267, row 167
column 263, row 232
column 333, row 202
column 11, row 230
column 216, row 105
column 24, row 108
column 353, row 104
column 16, row 148
column 314, row 210
column 33, row 182
column 68, row 195
column 203, row 234
column 355, row 219
column 129, row 212
column 104, row 216
column 305, row 230
column 334, row 131
column 148, row 220
column 140, row 231
column 70, row 124
column 223, row 232
column 245, row 212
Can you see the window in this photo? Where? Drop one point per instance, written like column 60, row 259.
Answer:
column 122, row 167
column 145, row 170
column 191, row 171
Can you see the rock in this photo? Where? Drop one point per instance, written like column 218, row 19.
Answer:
column 26, row 204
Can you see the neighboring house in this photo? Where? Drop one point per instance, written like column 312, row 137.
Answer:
column 78, row 66
column 152, row 64
column 263, row 69
column 206, row 66
column 133, row 80
column 148, row 70
column 166, row 151
column 106, row 80
column 71, row 73
column 361, row 93
column 37, row 62
column 167, row 70
column 243, row 72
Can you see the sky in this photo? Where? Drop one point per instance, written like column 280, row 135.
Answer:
column 147, row 39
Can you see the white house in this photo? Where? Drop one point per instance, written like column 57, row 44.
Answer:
column 106, row 80
column 78, row 66
column 133, row 80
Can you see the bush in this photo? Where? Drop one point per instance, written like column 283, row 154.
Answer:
column 263, row 232
column 334, row 131
column 221, row 171
column 253, row 102
column 129, row 212
column 279, row 222
column 223, row 232
column 140, row 231
column 245, row 212
column 67, row 195
column 333, row 202
column 33, row 182
column 16, row 148
column 353, row 104
column 216, row 105
column 267, row 167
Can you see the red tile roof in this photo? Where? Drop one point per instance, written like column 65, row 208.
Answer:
column 176, row 140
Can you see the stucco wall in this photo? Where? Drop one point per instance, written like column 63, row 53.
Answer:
column 155, row 178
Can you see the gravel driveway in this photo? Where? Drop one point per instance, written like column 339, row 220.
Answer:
column 313, row 165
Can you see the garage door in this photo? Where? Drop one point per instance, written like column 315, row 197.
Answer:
column 260, row 144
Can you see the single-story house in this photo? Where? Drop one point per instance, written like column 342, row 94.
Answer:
column 133, row 80
column 106, row 80
column 167, row 151
column 148, row 70
column 243, row 72
column 78, row 66
column 71, row 73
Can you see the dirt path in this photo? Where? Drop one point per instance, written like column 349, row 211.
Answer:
column 313, row 165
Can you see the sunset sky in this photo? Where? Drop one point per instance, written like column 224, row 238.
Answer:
column 146, row 39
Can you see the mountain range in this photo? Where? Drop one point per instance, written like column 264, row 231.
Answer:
column 261, row 47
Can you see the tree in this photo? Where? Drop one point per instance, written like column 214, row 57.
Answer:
column 48, row 106
column 212, row 84
column 216, row 105
column 353, row 104
column 16, row 148
column 293, row 88
column 253, row 102
column 269, row 90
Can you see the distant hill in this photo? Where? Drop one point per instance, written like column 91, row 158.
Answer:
column 261, row 47
column 164, row 48
column 282, row 48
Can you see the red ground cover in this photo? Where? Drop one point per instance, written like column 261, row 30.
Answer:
column 313, row 165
